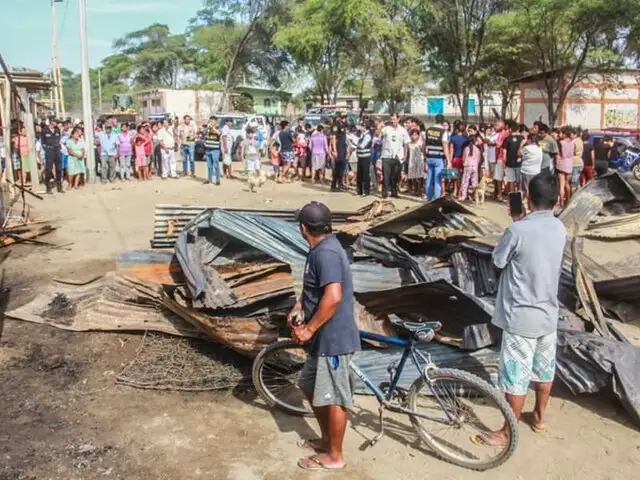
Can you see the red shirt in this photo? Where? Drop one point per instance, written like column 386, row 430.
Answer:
column 148, row 144
column 500, row 151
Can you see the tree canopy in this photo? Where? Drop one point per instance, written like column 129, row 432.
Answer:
column 382, row 49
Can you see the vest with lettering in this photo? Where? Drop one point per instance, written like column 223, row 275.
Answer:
column 212, row 140
column 434, row 136
column 365, row 144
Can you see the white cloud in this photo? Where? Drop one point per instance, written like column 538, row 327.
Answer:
column 116, row 7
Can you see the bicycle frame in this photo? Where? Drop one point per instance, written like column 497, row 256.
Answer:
column 420, row 362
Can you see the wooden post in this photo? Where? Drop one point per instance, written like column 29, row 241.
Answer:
column 5, row 103
column 33, row 156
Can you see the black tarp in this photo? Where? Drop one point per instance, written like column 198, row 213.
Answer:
column 587, row 363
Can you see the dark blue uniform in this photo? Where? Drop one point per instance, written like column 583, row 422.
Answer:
column 52, row 156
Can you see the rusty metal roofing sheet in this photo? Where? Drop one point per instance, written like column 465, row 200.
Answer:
column 153, row 266
column 170, row 220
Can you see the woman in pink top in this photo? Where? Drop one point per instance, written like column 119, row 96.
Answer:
column 319, row 149
column 471, row 157
column 564, row 164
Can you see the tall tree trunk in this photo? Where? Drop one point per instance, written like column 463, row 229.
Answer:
column 232, row 66
column 480, row 104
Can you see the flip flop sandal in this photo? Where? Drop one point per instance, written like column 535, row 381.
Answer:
column 481, row 441
column 538, row 429
column 307, row 444
column 316, row 466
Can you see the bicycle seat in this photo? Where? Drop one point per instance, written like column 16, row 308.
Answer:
column 422, row 332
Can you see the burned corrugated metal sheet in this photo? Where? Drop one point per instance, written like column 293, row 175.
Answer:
column 622, row 289
column 474, row 273
column 403, row 221
column 471, row 224
column 612, row 194
column 616, row 228
column 587, row 363
column 374, row 363
column 170, row 220
column 462, row 315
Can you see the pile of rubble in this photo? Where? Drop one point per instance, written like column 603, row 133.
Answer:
column 233, row 275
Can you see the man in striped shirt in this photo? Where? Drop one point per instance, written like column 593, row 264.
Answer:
column 212, row 146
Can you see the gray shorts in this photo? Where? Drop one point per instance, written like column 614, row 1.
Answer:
column 329, row 380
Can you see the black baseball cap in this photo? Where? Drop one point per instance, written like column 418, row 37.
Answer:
column 315, row 215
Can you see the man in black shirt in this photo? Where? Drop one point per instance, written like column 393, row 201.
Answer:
column 512, row 145
column 285, row 140
column 51, row 137
column 602, row 155
column 588, row 160
column 338, row 150
column 329, row 326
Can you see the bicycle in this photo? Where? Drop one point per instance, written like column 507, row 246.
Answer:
column 456, row 397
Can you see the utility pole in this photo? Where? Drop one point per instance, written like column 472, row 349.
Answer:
column 56, row 56
column 99, row 91
column 86, row 93
column 54, row 79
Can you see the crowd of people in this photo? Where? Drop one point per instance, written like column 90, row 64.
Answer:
column 442, row 158
column 373, row 156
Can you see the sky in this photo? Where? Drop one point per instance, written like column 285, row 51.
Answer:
column 26, row 27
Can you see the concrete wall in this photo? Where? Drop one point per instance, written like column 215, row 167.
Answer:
column 598, row 102
column 200, row 104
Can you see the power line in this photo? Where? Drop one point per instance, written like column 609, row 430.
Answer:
column 64, row 17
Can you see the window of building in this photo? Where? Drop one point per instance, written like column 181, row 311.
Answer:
column 155, row 102
column 267, row 103
column 350, row 104
column 145, row 104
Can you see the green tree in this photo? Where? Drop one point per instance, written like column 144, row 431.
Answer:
column 395, row 66
column 563, row 42
column 233, row 43
column 322, row 38
column 453, row 36
column 152, row 56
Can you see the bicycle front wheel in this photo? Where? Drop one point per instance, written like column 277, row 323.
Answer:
column 276, row 372
column 462, row 409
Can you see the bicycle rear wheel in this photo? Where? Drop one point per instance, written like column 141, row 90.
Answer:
column 476, row 408
column 275, row 373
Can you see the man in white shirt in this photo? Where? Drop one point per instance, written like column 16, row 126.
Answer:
column 395, row 148
column 226, row 146
column 167, row 150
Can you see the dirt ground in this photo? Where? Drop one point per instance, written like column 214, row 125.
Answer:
column 63, row 416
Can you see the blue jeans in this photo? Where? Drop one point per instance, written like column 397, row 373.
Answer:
column 188, row 159
column 434, row 175
column 213, row 165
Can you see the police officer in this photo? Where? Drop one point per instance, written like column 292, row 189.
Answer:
column 364, row 152
column 51, row 137
column 339, row 152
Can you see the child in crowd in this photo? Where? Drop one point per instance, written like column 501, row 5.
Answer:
column 415, row 169
column 140, row 154
column 471, row 157
column 274, row 156
column 250, row 152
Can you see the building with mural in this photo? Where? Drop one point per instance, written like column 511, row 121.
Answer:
column 599, row 101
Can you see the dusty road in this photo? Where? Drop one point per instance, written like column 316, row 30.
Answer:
column 63, row 417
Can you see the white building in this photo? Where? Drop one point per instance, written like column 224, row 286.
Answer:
column 447, row 105
column 597, row 102
column 199, row 104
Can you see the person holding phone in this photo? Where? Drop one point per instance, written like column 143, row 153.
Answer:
column 529, row 256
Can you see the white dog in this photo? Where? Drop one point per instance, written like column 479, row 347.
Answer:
column 255, row 180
